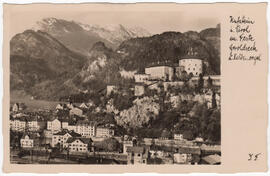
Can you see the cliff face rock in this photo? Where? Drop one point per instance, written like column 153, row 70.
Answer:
column 140, row 114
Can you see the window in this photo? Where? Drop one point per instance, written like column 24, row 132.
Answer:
column 132, row 154
column 139, row 154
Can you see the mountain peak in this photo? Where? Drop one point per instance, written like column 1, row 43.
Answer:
column 80, row 37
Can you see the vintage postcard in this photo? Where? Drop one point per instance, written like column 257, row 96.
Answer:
column 143, row 87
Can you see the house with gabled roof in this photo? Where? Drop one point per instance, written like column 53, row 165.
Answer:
column 84, row 106
column 78, row 145
column 187, row 154
column 29, row 140
column 137, row 154
column 18, row 124
column 15, row 107
column 76, row 111
column 62, row 136
column 54, row 125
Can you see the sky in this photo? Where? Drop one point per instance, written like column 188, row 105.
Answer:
column 155, row 21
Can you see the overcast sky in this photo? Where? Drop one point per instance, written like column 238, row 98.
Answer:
column 154, row 21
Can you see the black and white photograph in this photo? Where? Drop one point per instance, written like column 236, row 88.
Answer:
column 115, row 88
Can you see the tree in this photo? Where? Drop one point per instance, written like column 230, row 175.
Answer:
column 166, row 134
column 209, row 82
column 214, row 103
column 200, row 83
column 110, row 145
column 184, row 76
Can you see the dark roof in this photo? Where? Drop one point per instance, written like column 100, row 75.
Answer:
column 191, row 57
column 162, row 148
column 83, row 140
column 31, row 136
column 212, row 159
column 72, row 133
column 135, row 149
column 190, row 150
column 85, row 123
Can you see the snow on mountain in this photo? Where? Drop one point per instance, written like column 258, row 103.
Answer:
column 72, row 33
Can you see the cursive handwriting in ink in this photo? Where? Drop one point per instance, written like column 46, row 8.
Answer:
column 242, row 45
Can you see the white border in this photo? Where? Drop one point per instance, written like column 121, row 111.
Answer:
column 121, row 1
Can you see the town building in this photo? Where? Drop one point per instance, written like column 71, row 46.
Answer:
column 104, row 132
column 15, row 107
column 137, row 155
column 84, row 106
column 161, row 151
column 27, row 141
column 178, row 136
column 54, row 125
column 175, row 101
column 59, row 106
column 172, row 84
column 35, row 124
column 127, row 144
column 218, row 99
column 85, row 128
column 187, row 155
column 141, row 78
column 111, row 89
column 178, row 71
column 70, row 105
column 62, row 136
column 214, row 78
column 192, row 65
column 139, row 90
column 181, row 158
column 78, row 145
column 76, row 111
column 18, row 124
column 164, row 73
column 211, row 160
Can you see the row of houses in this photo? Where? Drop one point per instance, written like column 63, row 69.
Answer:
column 35, row 124
column 27, row 123
column 69, row 140
column 85, row 128
column 169, row 155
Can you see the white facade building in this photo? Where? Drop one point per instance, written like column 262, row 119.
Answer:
column 160, row 72
column 54, row 125
column 62, row 136
column 78, row 145
column 104, row 132
column 18, row 124
column 141, row 78
column 27, row 141
column 192, row 65
column 85, row 129
column 139, row 90
column 178, row 137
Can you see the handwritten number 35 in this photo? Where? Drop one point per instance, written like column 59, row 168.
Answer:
column 253, row 157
